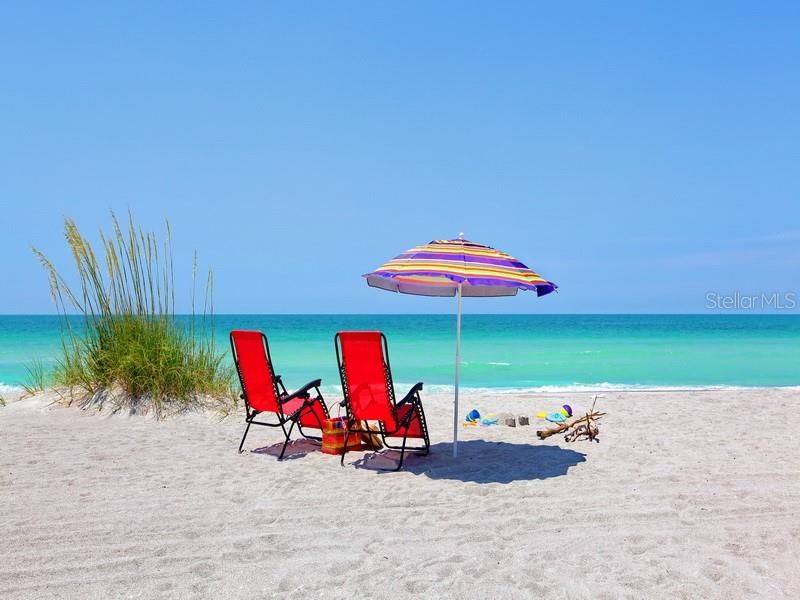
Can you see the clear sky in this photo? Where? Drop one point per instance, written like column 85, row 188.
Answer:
column 639, row 154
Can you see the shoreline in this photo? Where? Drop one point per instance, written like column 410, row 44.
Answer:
column 14, row 393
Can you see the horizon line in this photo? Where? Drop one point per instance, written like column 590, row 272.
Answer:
column 436, row 314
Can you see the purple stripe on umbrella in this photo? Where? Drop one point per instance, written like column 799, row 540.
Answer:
column 456, row 257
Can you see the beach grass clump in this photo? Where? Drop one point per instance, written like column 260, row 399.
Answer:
column 131, row 348
column 37, row 377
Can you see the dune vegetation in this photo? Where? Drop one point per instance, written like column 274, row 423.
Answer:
column 129, row 348
column 37, row 377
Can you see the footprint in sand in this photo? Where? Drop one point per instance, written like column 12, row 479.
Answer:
column 244, row 544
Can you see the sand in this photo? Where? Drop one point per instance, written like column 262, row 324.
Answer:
column 688, row 495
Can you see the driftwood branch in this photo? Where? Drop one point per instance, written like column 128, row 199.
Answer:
column 587, row 430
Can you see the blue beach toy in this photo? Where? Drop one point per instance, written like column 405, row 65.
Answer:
column 472, row 416
column 556, row 417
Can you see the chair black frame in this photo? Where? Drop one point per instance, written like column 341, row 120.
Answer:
column 412, row 397
column 283, row 396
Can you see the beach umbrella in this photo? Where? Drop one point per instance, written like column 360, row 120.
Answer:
column 458, row 268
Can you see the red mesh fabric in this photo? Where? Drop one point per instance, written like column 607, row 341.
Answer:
column 414, row 427
column 313, row 416
column 257, row 378
column 365, row 375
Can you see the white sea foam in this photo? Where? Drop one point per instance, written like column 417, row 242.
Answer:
column 500, row 364
column 9, row 389
column 597, row 388
column 332, row 392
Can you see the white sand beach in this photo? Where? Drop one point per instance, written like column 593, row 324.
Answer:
column 688, row 495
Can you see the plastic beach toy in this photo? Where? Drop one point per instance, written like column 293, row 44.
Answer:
column 472, row 416
column 490, row 419
column 559, row 416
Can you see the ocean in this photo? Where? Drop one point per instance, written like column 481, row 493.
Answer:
column 510, row 352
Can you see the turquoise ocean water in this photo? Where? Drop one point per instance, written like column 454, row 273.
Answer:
column 542, row 352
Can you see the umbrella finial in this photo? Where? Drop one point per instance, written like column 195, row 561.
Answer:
column 461, row 235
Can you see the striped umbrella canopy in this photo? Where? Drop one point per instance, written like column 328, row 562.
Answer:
column 461, row 268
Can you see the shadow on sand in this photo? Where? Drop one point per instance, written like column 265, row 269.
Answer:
column 295, row 449
column 480, row 461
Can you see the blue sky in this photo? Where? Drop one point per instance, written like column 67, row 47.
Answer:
column 638, row 154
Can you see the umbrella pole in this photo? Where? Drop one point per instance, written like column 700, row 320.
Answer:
column 458, row 369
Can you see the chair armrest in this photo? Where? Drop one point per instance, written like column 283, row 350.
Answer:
column 303, row 390
column 412, row 393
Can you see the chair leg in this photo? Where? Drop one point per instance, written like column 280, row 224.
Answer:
column 344, row 448
column 315, row 438
column 288, row 437
column 402, row 453
column 241, row 444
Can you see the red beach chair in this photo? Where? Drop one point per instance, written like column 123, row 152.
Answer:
column 363, row 358
column 263, row 391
